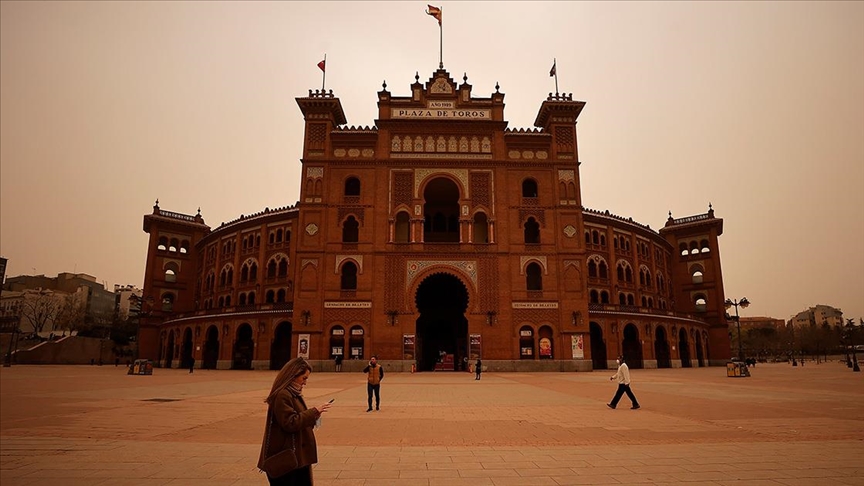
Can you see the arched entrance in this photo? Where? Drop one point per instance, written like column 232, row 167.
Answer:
column 661, row 348
column 169, row 352
column 441, row 300
column 684, row 348
column 632, row 347
column 243, row 348
column 598, row 347
column 186, row 349
column 280, row 350
column 211, row 349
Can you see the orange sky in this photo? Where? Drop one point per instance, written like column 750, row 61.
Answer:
column 755, row 107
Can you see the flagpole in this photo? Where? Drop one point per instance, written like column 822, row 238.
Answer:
column 555, row 63
column 441, row 41
column 324, row 74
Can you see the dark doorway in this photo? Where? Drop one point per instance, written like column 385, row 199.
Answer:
column 632, row 347
column 211, row 349
column 442, row 328
column 661, row 348
column 243, row 349
column 280, row 351
column 186, row 349
column 684, row 349
column 169, row 353
column 598, row 348
column 699, row 354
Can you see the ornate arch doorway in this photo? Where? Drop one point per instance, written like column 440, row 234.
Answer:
column 442, row 328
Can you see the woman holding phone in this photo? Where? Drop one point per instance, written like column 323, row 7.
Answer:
column 290, row 424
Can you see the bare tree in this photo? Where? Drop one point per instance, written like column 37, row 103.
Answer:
column 39, row 307
column 70, row 316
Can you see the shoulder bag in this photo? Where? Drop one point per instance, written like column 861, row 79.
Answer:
column 282, row 462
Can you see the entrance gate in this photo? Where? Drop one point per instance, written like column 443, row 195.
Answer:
column 442, row 328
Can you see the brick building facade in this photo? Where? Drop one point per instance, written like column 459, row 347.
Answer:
column 434, row 236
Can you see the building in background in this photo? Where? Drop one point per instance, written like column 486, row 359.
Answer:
column 438, row 234
column 818, row 315
column 63, row 303
column 127, row 301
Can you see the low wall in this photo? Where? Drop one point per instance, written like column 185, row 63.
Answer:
column 67, row 350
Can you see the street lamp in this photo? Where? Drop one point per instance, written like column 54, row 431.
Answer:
column 743, row 303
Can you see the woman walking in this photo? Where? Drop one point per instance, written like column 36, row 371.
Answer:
column 290, row 426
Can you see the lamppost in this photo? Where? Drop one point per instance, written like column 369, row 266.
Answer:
column 743, row 303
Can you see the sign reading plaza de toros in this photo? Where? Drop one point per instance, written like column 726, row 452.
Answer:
column 441, row 110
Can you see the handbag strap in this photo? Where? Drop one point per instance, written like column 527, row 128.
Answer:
column 270, row 423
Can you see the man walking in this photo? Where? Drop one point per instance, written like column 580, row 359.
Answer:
column 374, row 375
column 623, row 377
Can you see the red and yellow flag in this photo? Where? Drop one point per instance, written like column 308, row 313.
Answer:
column 435, row 12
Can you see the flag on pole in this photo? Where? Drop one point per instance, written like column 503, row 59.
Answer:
column 552, row 71
column 322, row 64
column 435, row 12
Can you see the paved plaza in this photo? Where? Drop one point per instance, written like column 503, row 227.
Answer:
column 96, row 425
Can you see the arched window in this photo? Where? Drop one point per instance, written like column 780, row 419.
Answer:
column 701, row 302
column 595, row 237
column 622, row 298
column 481, row 228
column 529, row 188
column 532, row 231
column 167, row 302
column 271, row 269
column 242, row 299
column 283, row 267
column 350, row 230
column 244, row 272
column 170, row 276
column 604, row 270
column 592, row 268
column 595, row 297
column 533, row 277
column 705, row 247
column 279, row 235
column 682, row 247
column 269, row 297
column 163, row 244
column 352, row 186
column 349, row 276
column 403, row 228
column 604, row 297
column 696, row 274
column 280, row 296
column 251, row 300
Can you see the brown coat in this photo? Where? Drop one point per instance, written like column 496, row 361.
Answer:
column 291, row 417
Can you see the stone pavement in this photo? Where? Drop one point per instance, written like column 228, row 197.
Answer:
column 92, row 425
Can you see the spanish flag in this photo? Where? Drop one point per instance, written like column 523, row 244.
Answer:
column 321, row 65
column 435, row 12
column 552, row 72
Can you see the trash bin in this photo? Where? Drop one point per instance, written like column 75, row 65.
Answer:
column 737, row 369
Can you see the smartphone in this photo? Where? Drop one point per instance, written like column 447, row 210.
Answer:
column 331, row 400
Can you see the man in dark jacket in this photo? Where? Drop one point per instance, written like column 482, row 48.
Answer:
column 374, row 375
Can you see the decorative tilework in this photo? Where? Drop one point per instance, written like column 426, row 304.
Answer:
column 422, row 174
column 465, row 267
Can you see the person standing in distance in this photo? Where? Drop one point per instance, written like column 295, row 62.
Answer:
column 623, row 377
column 478, row 368
column 374, row 375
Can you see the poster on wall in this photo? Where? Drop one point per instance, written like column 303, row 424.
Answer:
column 303, row 346
column 407, row 346
column 578, row 346
column 545, row 348
column 474, row 350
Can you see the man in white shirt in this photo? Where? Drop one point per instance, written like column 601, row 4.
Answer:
column 623, row 377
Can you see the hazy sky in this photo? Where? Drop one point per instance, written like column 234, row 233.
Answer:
column 755, row 107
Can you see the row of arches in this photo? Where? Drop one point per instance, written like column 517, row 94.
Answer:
column 175, row 351
column 694, row 247
column 692, row 347
column 172, row 245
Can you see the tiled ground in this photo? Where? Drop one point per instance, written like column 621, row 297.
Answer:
column 71, row 425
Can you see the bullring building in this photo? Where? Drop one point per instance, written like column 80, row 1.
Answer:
column 435, row 236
